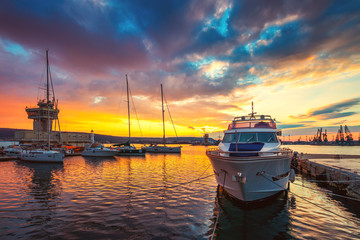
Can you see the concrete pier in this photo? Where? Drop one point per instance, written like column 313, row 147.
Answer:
column 344, row 180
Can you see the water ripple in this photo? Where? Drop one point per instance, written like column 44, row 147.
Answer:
column 154, row 198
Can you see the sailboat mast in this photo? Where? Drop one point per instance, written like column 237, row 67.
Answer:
column 47, row 95
column 162, row 106
column 47, row 76
column 128, row 103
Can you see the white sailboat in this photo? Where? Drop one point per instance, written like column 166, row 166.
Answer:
column 126, row 149
column 154, row 148
column 44, row 155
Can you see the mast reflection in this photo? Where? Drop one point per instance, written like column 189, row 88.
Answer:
column 45, row 190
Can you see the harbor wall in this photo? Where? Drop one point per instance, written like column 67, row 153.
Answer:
column 345, row 181
column 72, row 138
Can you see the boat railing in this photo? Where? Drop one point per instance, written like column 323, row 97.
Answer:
column 281, row 152
column 252, row 124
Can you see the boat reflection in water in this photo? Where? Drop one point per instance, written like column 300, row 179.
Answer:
column 269, row 219
column 44, row 189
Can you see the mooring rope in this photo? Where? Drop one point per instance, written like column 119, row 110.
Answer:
column 325, row 181
column 328, row 192
column 193, row 180
column 217, row 217
column 319, row 206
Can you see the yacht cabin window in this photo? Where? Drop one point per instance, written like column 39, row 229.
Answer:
column 264, row 137
column 267, row 137
column 247, row 137
column 229, row 137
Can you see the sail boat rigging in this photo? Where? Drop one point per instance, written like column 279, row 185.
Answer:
column 42, row 155
column 126, row 149
column 163, row 149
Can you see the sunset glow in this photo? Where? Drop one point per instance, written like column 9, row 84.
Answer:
column 297, row 61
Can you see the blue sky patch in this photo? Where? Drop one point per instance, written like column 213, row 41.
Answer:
column 14, row 48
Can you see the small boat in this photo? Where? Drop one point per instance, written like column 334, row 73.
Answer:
column 126, row 149
column 154, row 148
column 98, row 150
column 249, row 163
column 44, row 155
column 41, row 155
column 13, row 151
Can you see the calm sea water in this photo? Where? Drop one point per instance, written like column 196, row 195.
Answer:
column 350, row 164
column 150, row 198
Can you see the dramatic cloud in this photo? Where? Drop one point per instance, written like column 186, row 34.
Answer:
column 331, row 111
column 286, row 126
column 212, row 56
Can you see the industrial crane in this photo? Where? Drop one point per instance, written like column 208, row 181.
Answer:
column 340, row 136
column 349, row 138
column 325, row 136
column 318, row 136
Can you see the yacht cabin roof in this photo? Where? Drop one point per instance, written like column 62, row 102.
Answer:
column 253, row 121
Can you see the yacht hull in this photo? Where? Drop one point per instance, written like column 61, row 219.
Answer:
column 251, row 178
column 163, row 149
column 43, row 157
column 131, row 152
column 98, row 153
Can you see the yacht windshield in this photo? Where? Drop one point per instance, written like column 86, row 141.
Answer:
column 247, row 137
column 267, row 137
column 229, row 137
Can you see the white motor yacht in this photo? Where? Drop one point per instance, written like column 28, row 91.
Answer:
column 249, row 163
column 98, row 150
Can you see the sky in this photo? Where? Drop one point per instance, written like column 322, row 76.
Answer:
column 298, row 61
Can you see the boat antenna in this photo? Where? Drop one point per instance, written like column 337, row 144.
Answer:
column 252, row 114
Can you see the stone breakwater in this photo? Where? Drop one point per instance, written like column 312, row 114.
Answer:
column 344, row 180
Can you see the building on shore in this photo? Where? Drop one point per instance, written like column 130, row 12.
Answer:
column 41, row 138
column 45, row 118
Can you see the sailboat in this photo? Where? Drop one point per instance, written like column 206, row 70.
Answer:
column 45, row 155
column 126, row 149
column 162, row 149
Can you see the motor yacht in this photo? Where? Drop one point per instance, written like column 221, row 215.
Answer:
column 249, row 163
column 98, row 150
column 154, row 148
column 13, row 151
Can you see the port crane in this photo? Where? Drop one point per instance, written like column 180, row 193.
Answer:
column 340, row 136
column 325, row 139
column 349, row 138
column 318, row 136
